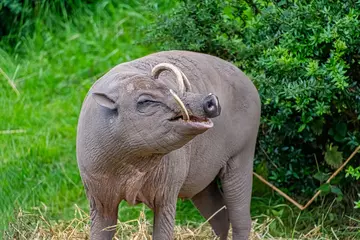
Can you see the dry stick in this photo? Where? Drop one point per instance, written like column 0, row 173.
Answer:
column 207, row 220
column 12, row 131
column 332, row 176
column 267, row 156
column 11, row 83
column 279, row 191
column 301, row 207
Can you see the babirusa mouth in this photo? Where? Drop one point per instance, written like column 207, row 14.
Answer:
column 184, row 112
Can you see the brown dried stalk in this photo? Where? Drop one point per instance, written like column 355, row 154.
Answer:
column 11, row 83
column 301, row 207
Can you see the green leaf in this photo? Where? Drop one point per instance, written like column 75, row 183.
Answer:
column 339, row 138
column 322, row 177
column 325, row 188
column 302, row 127
column 336, row 190
column 340, row 45
column 340, row 132
column 228, row 12
column 317, row 126
column 281, row 3
column 333, row 157
column 339, row 198
column 278, row 213
column 341, row 129
column 262, row 169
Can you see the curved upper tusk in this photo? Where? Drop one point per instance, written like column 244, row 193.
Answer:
column 186, row 82
column 184, row 112
column 180, row 76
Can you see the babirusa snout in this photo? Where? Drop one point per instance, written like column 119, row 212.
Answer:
column 211, row 106
column 184, row 112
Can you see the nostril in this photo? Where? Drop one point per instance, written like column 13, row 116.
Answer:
column 211, row 106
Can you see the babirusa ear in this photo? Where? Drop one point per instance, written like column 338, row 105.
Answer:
column 103, row 100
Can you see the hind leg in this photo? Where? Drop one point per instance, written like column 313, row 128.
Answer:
column 209, row 201
column 236, row 179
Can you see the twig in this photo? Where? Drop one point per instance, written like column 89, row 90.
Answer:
column 343, row 165
column 11, row 83
column 301, row 207
column 207, row 220
column 317, row 164
column 267, row 156
column 333, row 175
column 12, row 131
column 278, row 190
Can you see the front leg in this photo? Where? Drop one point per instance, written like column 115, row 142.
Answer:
column 164, row 220
column 103, row 219
column 174, row 171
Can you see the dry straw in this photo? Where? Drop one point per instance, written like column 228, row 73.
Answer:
column 35, row 226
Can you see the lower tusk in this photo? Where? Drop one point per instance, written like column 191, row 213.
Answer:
column 181, row 104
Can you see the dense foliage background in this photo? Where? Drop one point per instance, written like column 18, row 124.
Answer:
column 304, row 58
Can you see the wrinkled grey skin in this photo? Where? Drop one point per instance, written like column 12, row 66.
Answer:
column 131, row 151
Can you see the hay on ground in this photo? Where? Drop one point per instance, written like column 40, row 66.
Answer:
column 34, row 226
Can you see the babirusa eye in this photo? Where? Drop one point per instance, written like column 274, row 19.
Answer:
column 145, row 103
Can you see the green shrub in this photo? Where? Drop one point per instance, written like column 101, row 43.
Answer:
column 355, row 173
column 304, row 58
